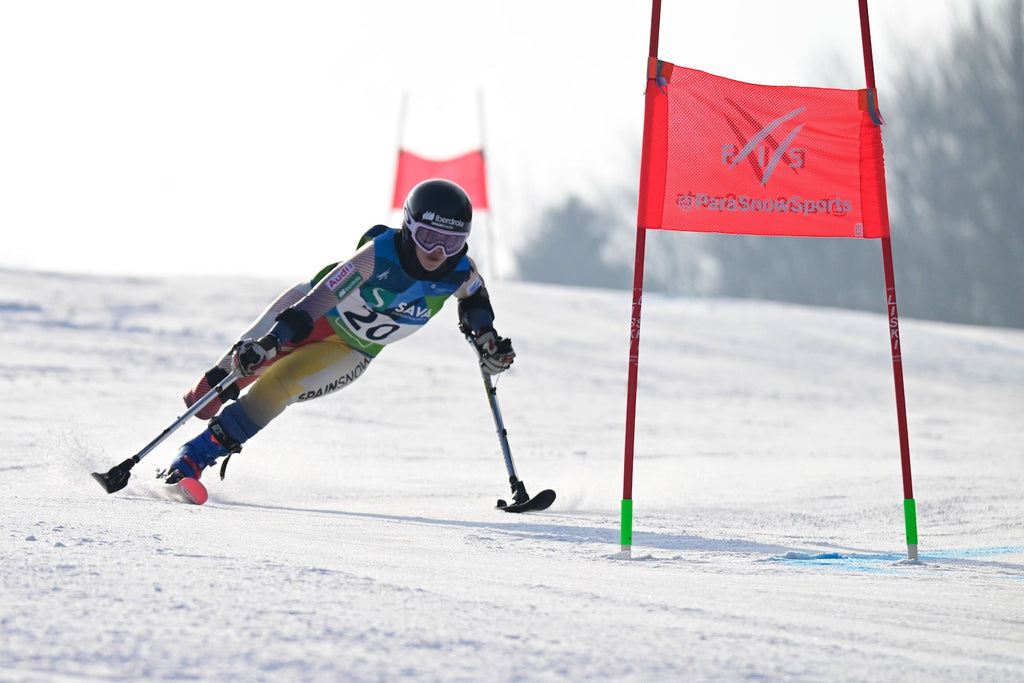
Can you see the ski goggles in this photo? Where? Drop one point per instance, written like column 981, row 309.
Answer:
column 428, row 238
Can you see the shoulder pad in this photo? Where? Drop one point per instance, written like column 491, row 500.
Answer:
column 371, row 234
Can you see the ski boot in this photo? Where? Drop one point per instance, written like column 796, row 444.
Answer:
column 201, row 452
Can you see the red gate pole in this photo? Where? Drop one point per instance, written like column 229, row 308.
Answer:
column 626, row 533
column 909, row 506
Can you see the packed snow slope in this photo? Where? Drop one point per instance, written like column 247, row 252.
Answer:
column 355, row 539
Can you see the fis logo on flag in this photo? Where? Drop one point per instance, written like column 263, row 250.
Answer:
column 756, row 150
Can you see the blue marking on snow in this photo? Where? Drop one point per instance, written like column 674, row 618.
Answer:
column 893, row 563
column 876, row 564
column 970, row 553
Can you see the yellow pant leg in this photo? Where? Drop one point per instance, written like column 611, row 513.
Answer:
column 308, row 372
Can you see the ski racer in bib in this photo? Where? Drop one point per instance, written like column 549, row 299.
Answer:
column 318, row 337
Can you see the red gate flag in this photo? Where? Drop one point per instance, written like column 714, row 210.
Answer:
column 466, row 171
column 733, row 157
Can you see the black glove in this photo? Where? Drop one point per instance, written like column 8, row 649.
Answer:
column 495, row 352
column 249, row 355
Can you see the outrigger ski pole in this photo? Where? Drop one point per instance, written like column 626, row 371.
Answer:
column 521, row 500
column 519, row 494
column 117, row 478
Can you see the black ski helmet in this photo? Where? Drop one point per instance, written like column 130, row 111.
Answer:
column 441, row 204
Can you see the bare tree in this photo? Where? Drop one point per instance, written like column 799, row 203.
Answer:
column 955, row 165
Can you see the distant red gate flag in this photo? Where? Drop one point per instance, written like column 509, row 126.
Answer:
column 466, row 171
column 733, row 157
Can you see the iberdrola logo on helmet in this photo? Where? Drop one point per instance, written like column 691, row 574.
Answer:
column 442, row 221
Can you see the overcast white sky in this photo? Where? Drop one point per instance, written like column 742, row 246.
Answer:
column 242, row 137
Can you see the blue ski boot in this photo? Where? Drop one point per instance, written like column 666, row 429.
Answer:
column 201, row 452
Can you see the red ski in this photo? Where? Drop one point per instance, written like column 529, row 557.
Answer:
column 191, row 490
column 186, row 490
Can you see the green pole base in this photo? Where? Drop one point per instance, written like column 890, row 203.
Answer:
column 910, row 514
column 626, row 535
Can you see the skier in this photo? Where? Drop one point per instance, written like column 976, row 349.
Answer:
column 320, row 336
